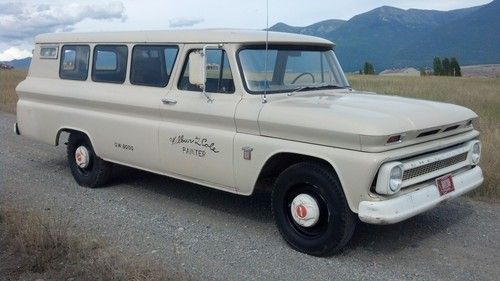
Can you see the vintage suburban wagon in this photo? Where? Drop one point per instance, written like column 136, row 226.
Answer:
column 229, row 110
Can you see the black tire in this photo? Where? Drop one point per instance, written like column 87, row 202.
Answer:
column 336, row 222
column 98, row 171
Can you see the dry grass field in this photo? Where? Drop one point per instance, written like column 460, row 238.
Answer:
column 484, row 70
column 480, row 94
column 8, row 82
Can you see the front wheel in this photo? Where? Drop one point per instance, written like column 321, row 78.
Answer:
column 87, row 168
column 311, row 211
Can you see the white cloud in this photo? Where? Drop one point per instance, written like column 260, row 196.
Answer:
column 23, row 21
column 13, row 53
column 9, row 8
column 185, row 22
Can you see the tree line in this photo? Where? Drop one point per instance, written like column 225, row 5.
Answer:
column 368, row 69
column 446, row 67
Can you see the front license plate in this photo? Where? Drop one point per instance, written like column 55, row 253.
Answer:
column 445, row 185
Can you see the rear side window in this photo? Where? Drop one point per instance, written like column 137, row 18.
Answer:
column 219, row 76
column 48, row 52
column 152, row 65
column 74, row 62
column 110, row 63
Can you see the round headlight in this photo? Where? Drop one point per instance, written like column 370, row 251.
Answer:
column 476, row 153
column 396, row 178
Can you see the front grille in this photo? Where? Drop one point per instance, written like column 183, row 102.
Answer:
column 434, row 166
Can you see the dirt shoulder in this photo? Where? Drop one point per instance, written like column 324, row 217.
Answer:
column 36, row 246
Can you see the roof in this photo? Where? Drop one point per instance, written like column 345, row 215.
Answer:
column 181, row 36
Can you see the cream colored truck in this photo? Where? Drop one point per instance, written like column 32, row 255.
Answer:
column 223, row 109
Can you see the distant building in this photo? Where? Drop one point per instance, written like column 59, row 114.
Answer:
column 409, row 71
column 213, row 66
column 6, row 66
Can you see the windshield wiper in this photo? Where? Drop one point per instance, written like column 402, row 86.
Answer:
column 316, row 87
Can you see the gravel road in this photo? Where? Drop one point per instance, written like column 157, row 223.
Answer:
column 212, row 235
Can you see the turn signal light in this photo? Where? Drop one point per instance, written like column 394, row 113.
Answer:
column 394, row 139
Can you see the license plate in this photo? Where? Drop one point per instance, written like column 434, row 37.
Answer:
column 445, row 185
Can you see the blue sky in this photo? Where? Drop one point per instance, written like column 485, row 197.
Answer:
column 20, row 21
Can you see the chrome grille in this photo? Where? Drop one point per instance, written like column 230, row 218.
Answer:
column 434, row 166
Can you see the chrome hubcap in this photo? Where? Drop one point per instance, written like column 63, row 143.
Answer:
column 305, row 210
column 82, row 158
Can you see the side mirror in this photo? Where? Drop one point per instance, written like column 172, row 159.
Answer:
column 197, row 69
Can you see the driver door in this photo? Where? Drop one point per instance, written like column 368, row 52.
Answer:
column 196, row 134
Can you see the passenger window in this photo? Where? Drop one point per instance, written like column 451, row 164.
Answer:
column 106, row 60
column 110, row 63
column 152, row 65
column 74, row 63
column 219, row 76
column 49, row 52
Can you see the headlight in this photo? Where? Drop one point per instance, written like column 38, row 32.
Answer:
column 475, row 153
column 390, row 178
column 396, row 178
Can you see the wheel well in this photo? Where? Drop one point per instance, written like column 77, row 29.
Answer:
column 280, row 162
column 68, row 131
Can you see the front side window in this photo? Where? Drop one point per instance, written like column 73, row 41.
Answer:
column 74, row 63
column 152, row 65
column 110, row 63
column 219, row 76
column 290, row 69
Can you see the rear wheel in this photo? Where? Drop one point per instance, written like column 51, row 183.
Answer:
column 87, row 168
column 311, row 211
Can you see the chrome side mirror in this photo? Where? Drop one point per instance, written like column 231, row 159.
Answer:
column 197, row 69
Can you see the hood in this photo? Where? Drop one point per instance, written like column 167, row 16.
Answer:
column 360, row 120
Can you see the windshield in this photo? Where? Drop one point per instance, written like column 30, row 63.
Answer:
column 290, row 69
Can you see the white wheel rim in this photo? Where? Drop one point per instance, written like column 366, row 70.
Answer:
column 82, row 158
column 305, row 210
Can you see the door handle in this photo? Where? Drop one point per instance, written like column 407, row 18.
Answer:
column 168, row 101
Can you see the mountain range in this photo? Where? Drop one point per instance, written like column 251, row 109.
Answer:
column 390, row 37
column 18, row 64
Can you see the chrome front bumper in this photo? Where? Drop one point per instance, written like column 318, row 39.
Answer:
column 408, row 205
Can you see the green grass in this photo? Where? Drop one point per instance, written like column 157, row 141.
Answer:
column 479, row 94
